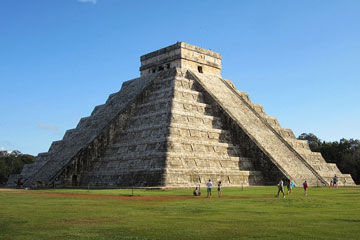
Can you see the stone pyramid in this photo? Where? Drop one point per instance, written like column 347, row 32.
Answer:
column 178, row 125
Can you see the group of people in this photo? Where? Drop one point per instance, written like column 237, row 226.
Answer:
column 208, row 190
column 290, row 185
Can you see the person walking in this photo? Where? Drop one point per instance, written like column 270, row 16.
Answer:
column 209, row 186
column 219, row 189
column 305, row 185
column 281, row 188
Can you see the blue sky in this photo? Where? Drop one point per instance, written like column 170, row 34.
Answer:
column 61, row 58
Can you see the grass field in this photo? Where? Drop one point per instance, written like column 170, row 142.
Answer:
column 251, row 213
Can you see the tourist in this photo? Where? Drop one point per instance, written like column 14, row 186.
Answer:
column 331, row 183
column 335, row 181
column 288, row 187
column 209, row 185
column 20, row 183
column 196, row 192
column 305, row 185
column 219, row 189
column 281, row 188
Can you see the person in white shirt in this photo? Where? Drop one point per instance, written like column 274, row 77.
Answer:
column 281, row 188
column 209, row 185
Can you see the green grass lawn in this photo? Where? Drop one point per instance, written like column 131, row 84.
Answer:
column 251, row 213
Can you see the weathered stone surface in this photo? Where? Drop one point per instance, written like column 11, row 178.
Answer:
column 178, row 125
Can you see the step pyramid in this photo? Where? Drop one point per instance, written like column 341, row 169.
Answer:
column 178, row 125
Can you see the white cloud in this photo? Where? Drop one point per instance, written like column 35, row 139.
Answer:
column 88, row 1
column 48, row 127
column 2, row 149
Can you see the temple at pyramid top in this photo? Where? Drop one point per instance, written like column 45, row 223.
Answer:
column 181, row 55
column 177, row 125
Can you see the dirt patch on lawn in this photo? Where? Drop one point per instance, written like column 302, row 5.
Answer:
column 100, row 196
column 12, row 190
column 124, row 197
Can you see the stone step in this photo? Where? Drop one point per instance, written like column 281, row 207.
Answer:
column 204, row 128
column 154, row 106
column 200, row 134
column 179, row 130
column 195, row 119
column 130, row 156
column 146, row 155
column 175, row 143
column 259, row 109
column 97, row 109
column 150, row 96
column 119, row 171
column 55, row 146
column 70, row 133
column 208, row 163
column 145, row 127
column 138, row 142
column 311, row 157
column 209, row 170
column 188, row 95
column 143, row 131
column 296, row 143
column 272, row 121
column 192, row 106
column 244, row 95
column 149, row 119
column 178, row 93
column 185, row 83
column 178, row 143
column 83, row 121
column 159, row 83
column 207, row 156
column 284, row 132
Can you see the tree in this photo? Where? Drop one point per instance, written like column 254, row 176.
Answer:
column 313, row 141
column 13, row 164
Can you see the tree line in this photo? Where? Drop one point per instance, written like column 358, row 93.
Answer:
column 345, row 153
column 12, row 164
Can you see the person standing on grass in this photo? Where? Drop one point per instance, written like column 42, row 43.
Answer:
column 335, row 181
column 209, row 185
column 219, row 189
column 305, row 185
column 289, row 187
column 281, row 188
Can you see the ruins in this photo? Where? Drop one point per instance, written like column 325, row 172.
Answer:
column 177, row 125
